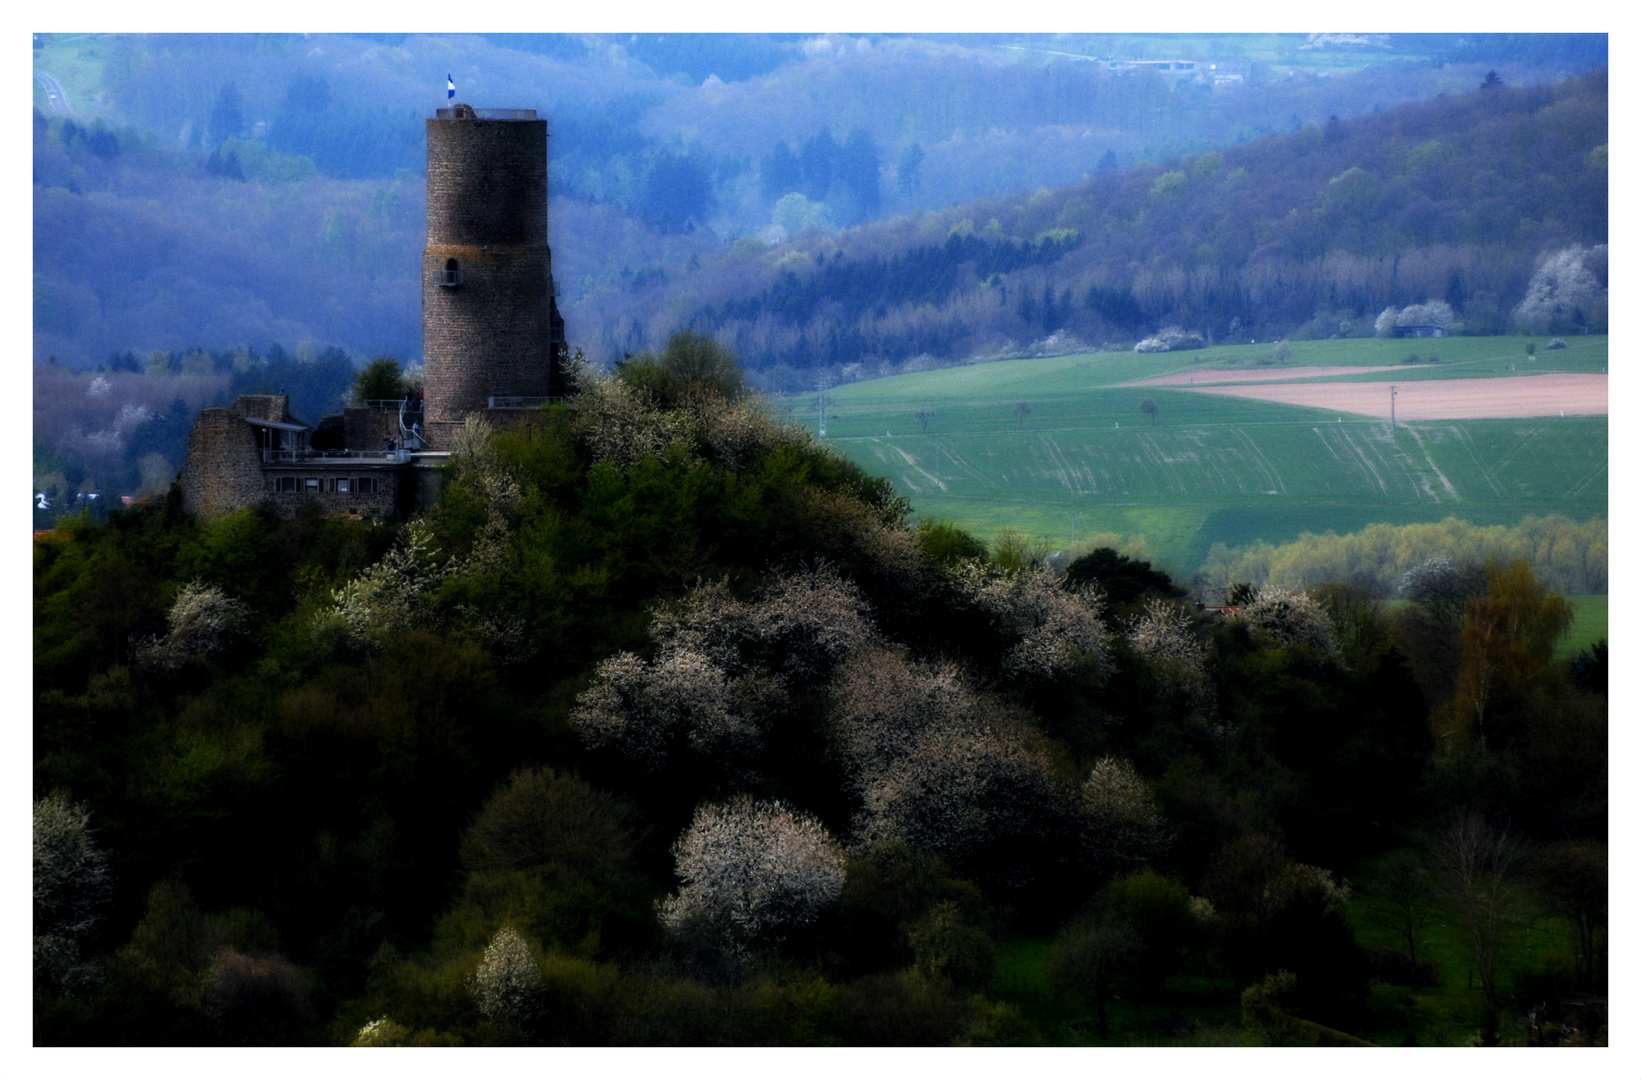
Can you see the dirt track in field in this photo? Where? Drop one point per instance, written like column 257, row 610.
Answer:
column 1212, row 376
column 1441, row 399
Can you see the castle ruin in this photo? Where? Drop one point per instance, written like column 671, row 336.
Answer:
column 492, row 345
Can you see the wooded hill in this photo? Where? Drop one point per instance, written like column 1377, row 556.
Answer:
column 665, row 728
column 1312, row 233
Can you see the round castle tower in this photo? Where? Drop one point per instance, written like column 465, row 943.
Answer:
column 490, row 326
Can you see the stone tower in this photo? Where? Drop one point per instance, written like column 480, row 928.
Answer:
column 490, row 325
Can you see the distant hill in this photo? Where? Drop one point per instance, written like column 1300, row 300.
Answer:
column 1309, row 234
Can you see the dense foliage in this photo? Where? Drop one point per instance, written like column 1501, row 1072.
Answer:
column 664, row 728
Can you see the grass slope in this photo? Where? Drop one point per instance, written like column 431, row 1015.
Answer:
column 1211, row 469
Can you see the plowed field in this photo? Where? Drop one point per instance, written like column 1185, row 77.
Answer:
column 1522, row 396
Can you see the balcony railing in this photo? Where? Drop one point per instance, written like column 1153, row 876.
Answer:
column 517, row 402
column 339, row 457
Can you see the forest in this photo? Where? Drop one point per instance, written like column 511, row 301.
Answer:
column 275, row 194
column 665, row 728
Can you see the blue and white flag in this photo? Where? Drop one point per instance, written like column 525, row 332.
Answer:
column 449, row 88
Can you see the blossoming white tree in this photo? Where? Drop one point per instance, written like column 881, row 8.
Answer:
column 203, row 621
column 508, row 984
column 1122, row 825
column 752, row 871
column 72, row 883
column 1292, row 619
column 1049, row 629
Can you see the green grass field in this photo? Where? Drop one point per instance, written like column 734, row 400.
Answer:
column 1081, row 459
column 1589, row 625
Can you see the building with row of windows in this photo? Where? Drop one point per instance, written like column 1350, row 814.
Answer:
column 492, row 344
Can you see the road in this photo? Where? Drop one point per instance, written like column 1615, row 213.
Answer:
column 55, row 97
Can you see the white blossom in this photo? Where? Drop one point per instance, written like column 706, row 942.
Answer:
column 508, row 984
column 1563, row 289
column 203, row 621
column 812, row 619
column 1122, row 825
column 617, row 424
column 1292, row 619
column 750, row 872
column 1051, row 628
column 389, row 596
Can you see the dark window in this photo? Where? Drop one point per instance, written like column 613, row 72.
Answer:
column 287, row 483
column 452, row 272
column 365, row 485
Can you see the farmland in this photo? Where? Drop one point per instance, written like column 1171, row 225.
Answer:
column 1052, row 445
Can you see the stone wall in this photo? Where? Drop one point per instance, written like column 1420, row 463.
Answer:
column 223, row 468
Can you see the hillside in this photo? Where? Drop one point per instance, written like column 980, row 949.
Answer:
column 665, row 728
column 1310, row 234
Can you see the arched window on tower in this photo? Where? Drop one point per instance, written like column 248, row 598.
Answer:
column 452, row 273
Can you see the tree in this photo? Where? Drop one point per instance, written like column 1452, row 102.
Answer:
column 1478, row 862
column 692, row 368
column 1022, row 410
column 751, row 872
column 1282, row 352
column 379, row 380
column 1292, row 619
column 1565, row 292
column 1149, row 407
column 1492, row 81
column 1122, row 825
column 508, row 984
column 1120, row 579
column 923, row 418
column 1506, row 650
column 1573, row 875
column 1089, row 958
column 72, row 884
column 1402, row 900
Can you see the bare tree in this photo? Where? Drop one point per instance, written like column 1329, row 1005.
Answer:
column 1402, row 901
column 923, row 418
column 1022, row 410
column 1478, row 862
column 1149, row 408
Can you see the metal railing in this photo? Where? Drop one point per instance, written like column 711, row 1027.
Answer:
column 517, row 402
column 389, row 404
column 485, row 114
column 340, row 457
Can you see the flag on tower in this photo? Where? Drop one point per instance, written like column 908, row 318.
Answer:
column 449, row 88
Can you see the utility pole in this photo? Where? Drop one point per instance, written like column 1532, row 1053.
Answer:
column 1393, row 407
column 822, row 386
column 1074, row 528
